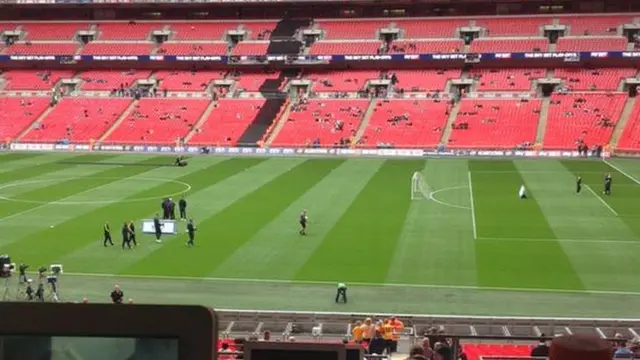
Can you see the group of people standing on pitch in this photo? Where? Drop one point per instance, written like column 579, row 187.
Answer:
column 128, row 235
column 169, row 209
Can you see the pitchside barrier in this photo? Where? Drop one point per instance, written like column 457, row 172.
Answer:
column 252, row 151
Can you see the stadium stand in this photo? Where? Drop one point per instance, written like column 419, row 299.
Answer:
column 227, row 122
column 594, row 25
column 502, row 124
column 347, row 48
column 190, row 31
column 34, row 79
column 77, row 120
column 339, row 81
column 426, row 46
column 19, row 113
column 584, row 117
column 580, row 79
column 592, row 44
column 255, row 81
column 357, row 29
column 513, row 26
column 61, row 48
column 193, row 48
column 117, row 48
column 406, row 123
column 510, row 45
column 630, row 139
column 434, row 28
column 158, row 121
column 180, row 80
column 126, row 31
column 107, row 80
column 506, row 79
column 50, row 31
column 250, row 48
column 424, row 80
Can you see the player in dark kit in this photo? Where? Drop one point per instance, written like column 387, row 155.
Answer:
column 191, row 230
column 607, row 184
column 578, row 185
column 172, row 209
column 107, row 234
column 132, row 234
column 303, row 222
column 165, row 208
column 157, row 226
column 126, row 240
column 182, row 205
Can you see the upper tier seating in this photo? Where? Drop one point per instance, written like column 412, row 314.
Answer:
column 406, row 123
column 592, row 44
column 506, row 79
column 630, row 138
column 330, row 80
column 345, row 48
column 18, row 113
column 511, row 45
column 594, row 25
column 351, row 28
column 528, row 26
column 110, row 79
column 7, row 26
column 258, row 30
column 426, row 46
column 127, row 31
column 577, row 79
column 430, row 28
column 325, row 121
column 180, row 80
column 245, row 48
column 200, row 31
column 52, row 31
column 78, row 120
column 587, row 117
column 501, row 124
column 42, row 49
column 227, row 122
column 189, row 49
column 117, row 48
column 33, row 79
column 508, row 351
column 158, row 121
column 424, row 80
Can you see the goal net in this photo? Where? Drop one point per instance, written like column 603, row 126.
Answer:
column 419, row 187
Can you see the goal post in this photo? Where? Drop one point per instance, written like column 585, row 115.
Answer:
column 420, row 190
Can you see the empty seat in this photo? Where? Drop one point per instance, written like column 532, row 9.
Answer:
column 345, row 48
column 594, row 25
column 630, row 138
column 42, row 49
column 426, row 46
column 52, row 31
column 351, row 28
column 513, row 26
column 191, row 49
column 111, row 79
column 592, row 44
column 180, row 80
column 335, row 80
column 117, row 48
column 506, row 79
column 510, row 45
column 19, row 113
column 593, row 79
column 245, row 48
column 34, row 79
column 126, row 31
column 424, row 80
column 227, row 122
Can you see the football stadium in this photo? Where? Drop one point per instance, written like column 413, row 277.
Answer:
column 463, row 170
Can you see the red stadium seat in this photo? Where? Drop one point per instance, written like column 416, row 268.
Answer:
column 630, row 138
column 34, row 79
column 227, row 122
column 19, row 113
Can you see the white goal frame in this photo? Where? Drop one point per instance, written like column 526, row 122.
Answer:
column 419, row 188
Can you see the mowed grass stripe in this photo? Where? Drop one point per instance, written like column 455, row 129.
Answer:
column 361, row 244
column 277, row 251
column 202, row 204
column 230, row 229
column 39, row 169
column 625, row 193
column 60, row 190
column 87, row 228
column 7, row 157
column 500, row 214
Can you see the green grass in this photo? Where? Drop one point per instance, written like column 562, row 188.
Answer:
column 557, row 253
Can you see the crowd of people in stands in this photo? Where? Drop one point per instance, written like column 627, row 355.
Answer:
column 379, row 337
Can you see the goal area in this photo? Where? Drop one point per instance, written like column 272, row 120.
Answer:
column 420, row 190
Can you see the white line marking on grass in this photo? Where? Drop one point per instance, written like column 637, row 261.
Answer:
column 621, row 171
column 432, row 197
column 473, row 210
column 590, row 241
column 333, row 284
column 601, row 199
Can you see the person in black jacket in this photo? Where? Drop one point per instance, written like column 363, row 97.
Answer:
column 182, row 205
column 191, row 230
column 542, row 350
column 377, row 344
column 157, row 227
column 172, row 209
column 126, row 236
column 107, row 234
column 117, row 295
column 132, row 234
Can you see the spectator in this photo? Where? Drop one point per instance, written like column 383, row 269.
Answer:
column 417, row 352
column 426, row 347
column 377, row 344
column 541, row 350
column 117, row 295
column 444, row 351
column 623, row 351
column 367, row 330
column 266, row 336
column 356, row 332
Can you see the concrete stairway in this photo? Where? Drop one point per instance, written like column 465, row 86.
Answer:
column 36, row 121
column 622, row 122
column 542, row 122
column 201, row 120
column 365, row 120
column 280, row 122
column 446, row 132
column 119, row 120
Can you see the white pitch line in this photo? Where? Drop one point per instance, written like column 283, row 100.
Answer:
column 363, row 284
column 473, row 209
column 622, row 171
column 588, row 241
column 601, row 199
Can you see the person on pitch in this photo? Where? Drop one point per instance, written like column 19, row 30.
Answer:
column 126, row 236
column 341, row 293
column 107, row 234
column 578, row 185
column 157, row 226
column 303, row 222
column 522, row 193
column 607, row 184
column 191, row 230
column 132, row 234
column 182, row 206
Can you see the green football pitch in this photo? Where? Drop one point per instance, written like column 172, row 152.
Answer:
column 473, row 248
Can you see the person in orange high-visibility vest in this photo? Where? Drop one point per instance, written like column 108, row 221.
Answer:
column 387, row 334
column 356, row 332
column 398, row 328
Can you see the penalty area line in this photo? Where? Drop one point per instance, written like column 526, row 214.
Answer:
column 601, row 200
column 473, row 208
column 358, row 284
column 618, row 169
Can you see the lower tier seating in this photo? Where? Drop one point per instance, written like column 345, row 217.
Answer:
column 227, row 122
column 180, row 80
column 18, row 113
column 78, row 120
column 506, row 79
column 424, row 80
column 34, row 79
column 332, row 80
column 321, row 122
column 630, row 138
column 503, row 124
column 588, row 118
column 111, row 79
column 479, row 351
column 158, row 121
column 406, row 123
column 579, row 79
